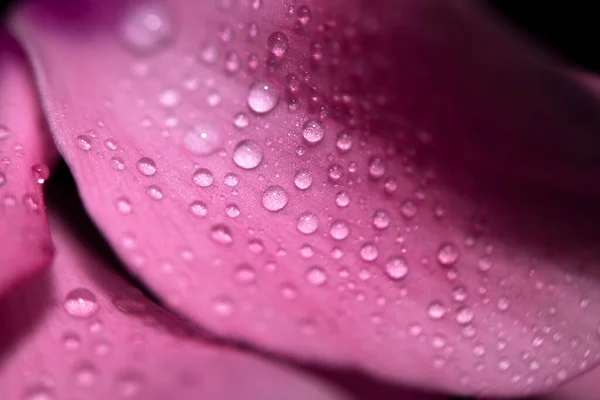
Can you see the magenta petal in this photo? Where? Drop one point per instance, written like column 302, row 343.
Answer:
column 25, row 145
column 256, row 166
column 81, row 332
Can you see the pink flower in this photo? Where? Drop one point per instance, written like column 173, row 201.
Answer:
column 335, row 199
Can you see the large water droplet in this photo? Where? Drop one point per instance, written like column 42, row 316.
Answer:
column 396, row 267
column 307, row 223
column 274, row 198
column 202, row 140
column 303, row 179
column 262, row 97
column 448, row 254
column 313, row 131
column 146, row 166
column 221, row 234
column 203, row 177
column 278, row 43
column 146, row 27
column 81, row 303
column 247, row 154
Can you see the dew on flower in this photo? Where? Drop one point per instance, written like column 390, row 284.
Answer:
column 247, row 154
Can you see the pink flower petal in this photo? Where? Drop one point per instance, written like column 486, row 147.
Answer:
column 81, row 332
column 381, row 192
column 25, row 148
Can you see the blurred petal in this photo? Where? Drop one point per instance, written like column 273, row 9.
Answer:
column 391, row 188
column 25, row 148
column 81, row 332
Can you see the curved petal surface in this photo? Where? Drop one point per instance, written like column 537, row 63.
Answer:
column 397, row 186
column 81, row 332
column 25, row 148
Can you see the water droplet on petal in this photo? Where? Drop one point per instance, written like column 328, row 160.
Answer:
column 369, row 252
column 339, row 230
column 274, row 198
column 342, row 199
column 316, row 276
column 245, row 273
column 146, row 166
column 344, row 141
column 307, row 223
column 232, row 210
column 313, row 131
column 85, row 374
column 241, row 120
column 335, row 172
column 155, row 192
column 436, row 310
column 40, row 173
column 223, row 307
column 221, row 234
column 278, row 43
column 303, row 179
column 169, row 98
column 448, row 254
column 381, row 220
column 146, row 27
column 304, row 15
column 376, row 168
column 38, row 392
column 203, row 177
column 117, row 163
column 247, row 154
column 396, row 267
column 124, row 205
column 231, row 180
column 84, row 142
column 464, row 315
column 81, row 303
column 262, row 97
column 202, row 140
column 199, row 209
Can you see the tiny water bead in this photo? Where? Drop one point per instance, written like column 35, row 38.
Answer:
column 339, row 230
column 376, row 168
column 117, row 163
column 316, row 276
column 123, row 205
column 274, row 198
column 241, row 120
column 154, row 192
column 278, row 43
column 342, row 199
column 436, row 310
column 369, row 252
column 335, row 172
column 231, row 180
column 221, row 234
column 303, row 179
column 81, row 303
column 203, row 177
column 84, row 142
column 199, row 209
column 344, row 141
column 202, row 140
column 247, row 154
column 146, row 27
column 448, row 254
column 223, row 306
column 307, row 223
column 381, row 220
column 262, row 97
column 40, row 173
column 396, row 267
column 146, row 166
column 313, row 131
